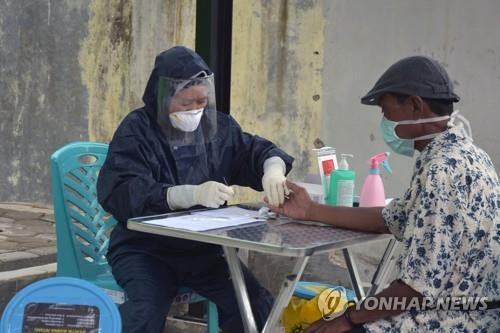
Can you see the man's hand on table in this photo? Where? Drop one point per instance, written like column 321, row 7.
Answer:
column 298, row 204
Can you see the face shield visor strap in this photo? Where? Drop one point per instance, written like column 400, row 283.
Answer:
column 178, row 95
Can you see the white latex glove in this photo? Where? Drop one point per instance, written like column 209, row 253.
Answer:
column 212, row 194
column 274, row 181
column 209, row 194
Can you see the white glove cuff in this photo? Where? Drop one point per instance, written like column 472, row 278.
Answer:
column 180, row 197
column 274, row 162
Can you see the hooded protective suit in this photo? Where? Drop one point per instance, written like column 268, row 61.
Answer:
column 146, row 157
column 141, row 164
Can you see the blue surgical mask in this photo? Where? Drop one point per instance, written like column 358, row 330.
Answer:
column 407, row 146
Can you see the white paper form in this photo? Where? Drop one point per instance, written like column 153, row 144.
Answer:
column 229, row 212
column 210, row 219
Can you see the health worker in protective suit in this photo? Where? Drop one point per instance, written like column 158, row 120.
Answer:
column 178, row 152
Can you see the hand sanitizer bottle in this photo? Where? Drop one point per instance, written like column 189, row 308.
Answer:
column 372, row 192
column 342, row 184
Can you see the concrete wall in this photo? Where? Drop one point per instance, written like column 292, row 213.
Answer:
column 42, row 99
column 300, row 68
column 276, row 75
column 70, row 70
column 278, row 89
column 363, row 38
column 118, row 54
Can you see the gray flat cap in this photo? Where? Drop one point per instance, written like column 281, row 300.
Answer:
column 417, row 75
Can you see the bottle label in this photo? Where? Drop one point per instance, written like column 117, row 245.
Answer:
column 345, row 193
column 328, row 167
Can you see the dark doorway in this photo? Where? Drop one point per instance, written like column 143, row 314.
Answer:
column 214, row 20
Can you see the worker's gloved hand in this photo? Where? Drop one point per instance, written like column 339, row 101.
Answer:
column 212, row 194
column 209, row 194
column 274, row 181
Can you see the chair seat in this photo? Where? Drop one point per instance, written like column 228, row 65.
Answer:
column 187, row 295
column 107, row 283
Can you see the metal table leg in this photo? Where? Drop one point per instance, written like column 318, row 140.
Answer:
column 285, row 294
column 384, row 267
column 291, row 280
column 240, row 289
column 354, row 275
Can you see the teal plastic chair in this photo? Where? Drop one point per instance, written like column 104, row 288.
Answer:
column 83, row 227
column 72, row 301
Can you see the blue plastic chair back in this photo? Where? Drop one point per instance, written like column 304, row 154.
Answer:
column 59, row 295
column 82, row 226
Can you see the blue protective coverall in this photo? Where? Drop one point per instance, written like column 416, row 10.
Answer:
column 140, row 166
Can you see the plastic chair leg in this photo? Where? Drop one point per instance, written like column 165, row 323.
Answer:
column 212, row 318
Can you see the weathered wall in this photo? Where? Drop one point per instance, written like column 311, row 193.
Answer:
column 287, row 54
column 363, row 38
column 156, row 26
column 71, row 70
column 276, row 92
column 43, row 102
column 118, row 54
column 105, row 61
column 276, row 75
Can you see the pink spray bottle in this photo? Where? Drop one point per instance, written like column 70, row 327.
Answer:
column 372, row 192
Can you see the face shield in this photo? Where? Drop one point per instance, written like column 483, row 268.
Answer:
column 186, row 109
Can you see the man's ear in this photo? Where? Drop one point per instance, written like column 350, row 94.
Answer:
column 416, row 105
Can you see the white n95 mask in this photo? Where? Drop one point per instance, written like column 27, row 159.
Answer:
column 186, row 121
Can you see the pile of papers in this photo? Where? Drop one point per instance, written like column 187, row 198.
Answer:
column 204, row 220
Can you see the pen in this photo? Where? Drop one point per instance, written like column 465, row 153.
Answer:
column 225, row 182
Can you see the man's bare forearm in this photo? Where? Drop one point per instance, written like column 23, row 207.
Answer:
column 367, row 219
column 399, row 291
